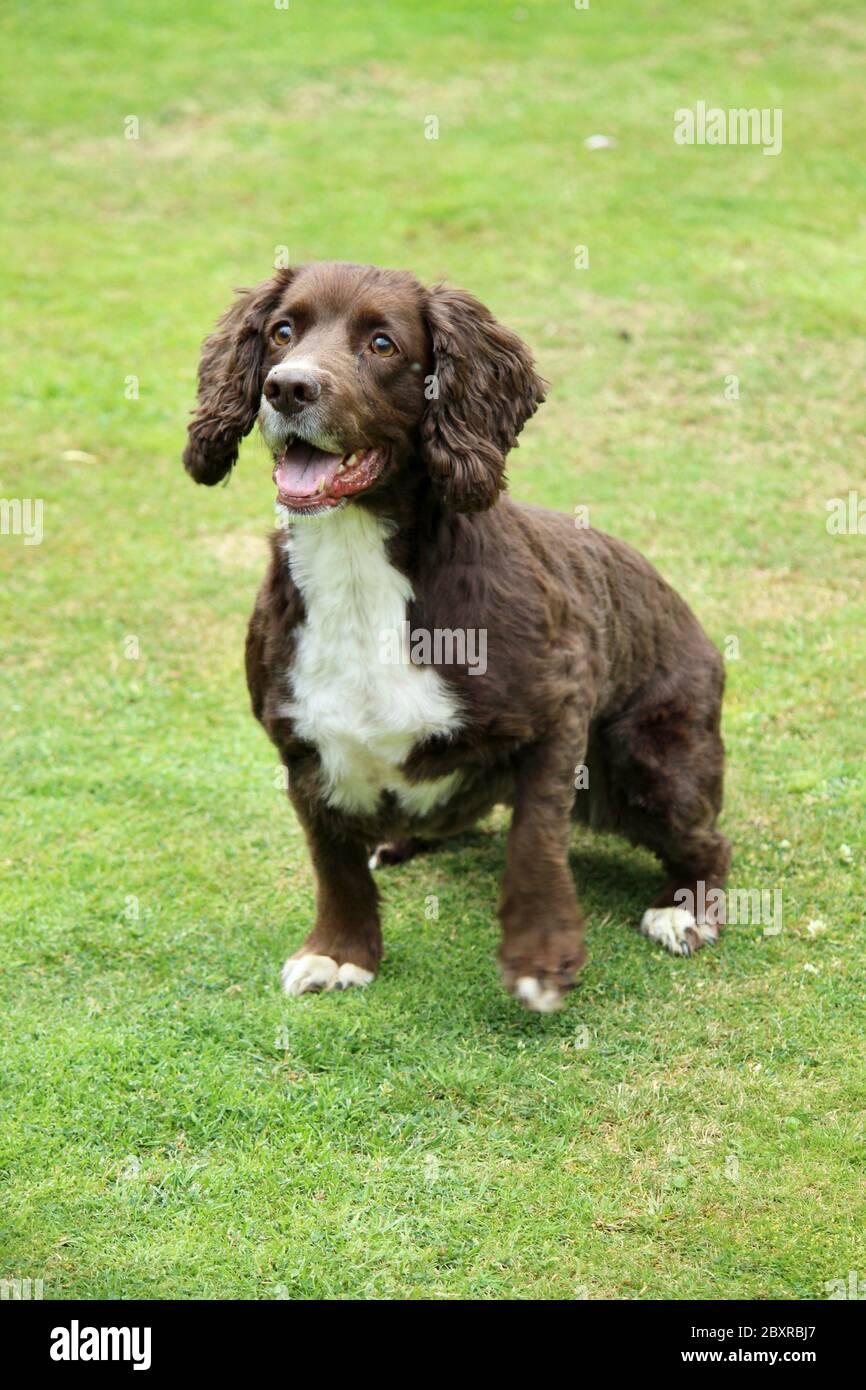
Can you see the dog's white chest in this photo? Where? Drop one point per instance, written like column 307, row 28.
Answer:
column 363, row 715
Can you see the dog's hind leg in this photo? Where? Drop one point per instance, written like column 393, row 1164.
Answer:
column 665, row 760
column 690, row 911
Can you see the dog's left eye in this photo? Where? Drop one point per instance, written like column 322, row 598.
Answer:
column 383, row 346
column 282, row 334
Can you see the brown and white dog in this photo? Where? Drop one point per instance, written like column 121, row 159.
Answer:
column 389, row 410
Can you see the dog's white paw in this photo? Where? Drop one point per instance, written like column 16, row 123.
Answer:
column 350, row 974
column 538, row 998
column 313, row 974
column 676, row 930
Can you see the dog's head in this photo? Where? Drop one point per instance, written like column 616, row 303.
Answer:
column 356, row 375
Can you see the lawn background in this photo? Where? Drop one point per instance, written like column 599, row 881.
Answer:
column 172, row 1126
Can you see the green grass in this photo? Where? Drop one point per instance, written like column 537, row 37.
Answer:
column 171, row 1126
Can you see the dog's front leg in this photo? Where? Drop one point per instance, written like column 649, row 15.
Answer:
column 542, row 929
column 345, row 946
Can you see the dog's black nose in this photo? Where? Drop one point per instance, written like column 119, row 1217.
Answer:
column 289, row 389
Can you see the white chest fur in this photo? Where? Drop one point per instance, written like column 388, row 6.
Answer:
column 363, row 715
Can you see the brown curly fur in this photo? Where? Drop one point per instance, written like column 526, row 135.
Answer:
column 487, row 390
column 229, row 382
column 592, row 658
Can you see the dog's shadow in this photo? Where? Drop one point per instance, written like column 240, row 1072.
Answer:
column 614, row 883
column 602, row 867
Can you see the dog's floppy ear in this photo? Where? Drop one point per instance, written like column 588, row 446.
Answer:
column 483, row 391
column 229, row 382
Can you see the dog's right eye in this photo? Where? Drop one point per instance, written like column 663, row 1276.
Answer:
column 282, row 334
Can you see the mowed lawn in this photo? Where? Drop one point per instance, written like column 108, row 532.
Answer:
column 171, row 1125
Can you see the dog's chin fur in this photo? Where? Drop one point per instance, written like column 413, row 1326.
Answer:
column 287, row 516
column 594, row 665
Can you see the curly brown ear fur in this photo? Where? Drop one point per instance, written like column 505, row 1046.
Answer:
column 229, row 382
column 486, row 390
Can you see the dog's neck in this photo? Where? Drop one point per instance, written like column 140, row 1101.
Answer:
column 398, row 517
column 340, row 561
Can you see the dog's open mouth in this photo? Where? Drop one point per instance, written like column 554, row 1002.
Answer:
column 308, row 477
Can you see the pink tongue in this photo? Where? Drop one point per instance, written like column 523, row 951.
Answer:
column 300, row 470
